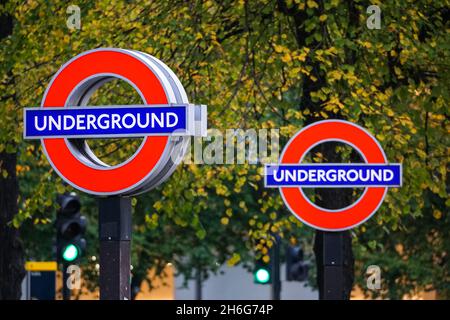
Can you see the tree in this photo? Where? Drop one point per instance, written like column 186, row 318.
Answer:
column 11, row 256
column 260, row 64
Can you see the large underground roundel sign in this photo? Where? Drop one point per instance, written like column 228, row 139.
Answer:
column 290, row 175
column 165, row 120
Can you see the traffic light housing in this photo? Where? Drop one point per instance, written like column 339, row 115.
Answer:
column 70, row 226
column 262, row 272
column 296, row 268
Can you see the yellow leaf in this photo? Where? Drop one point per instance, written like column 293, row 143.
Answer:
column 234, row 259
column 286, row 58
column 312, row 4
column 367, row 44
column 157, row 205
column 278, row 48
column 335, row 74
column 437, row 214
column 323, row 114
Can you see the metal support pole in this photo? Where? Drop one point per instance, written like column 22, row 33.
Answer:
column 333, row 266
column 198, row 284
column 115, row 243
column 28, row 286
column 276, row 281
column 65, row 288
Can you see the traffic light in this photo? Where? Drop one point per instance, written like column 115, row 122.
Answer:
column 70, row 226
column 262, row 273
column 296, row 268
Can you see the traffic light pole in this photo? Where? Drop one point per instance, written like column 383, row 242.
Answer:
column 65, row 288
column 115, row 243
column 198, row 284
column 276, row 281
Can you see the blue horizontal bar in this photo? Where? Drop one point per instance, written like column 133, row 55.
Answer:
column 99, row 122
column 333, row 175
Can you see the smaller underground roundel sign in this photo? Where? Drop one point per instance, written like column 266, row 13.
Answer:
column 166, row 119
column 290, row 175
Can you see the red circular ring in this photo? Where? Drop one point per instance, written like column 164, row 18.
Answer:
column 108, row 180
column 351, row 216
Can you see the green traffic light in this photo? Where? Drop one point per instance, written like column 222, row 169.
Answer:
column 262, row 275
column 70, row 252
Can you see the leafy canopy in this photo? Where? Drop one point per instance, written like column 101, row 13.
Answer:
column 247, row 60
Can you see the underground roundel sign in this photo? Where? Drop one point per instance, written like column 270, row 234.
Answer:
column 290, row 175
column 166, row 119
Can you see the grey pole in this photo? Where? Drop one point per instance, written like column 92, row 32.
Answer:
column 198, row 284
column 276, row 281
